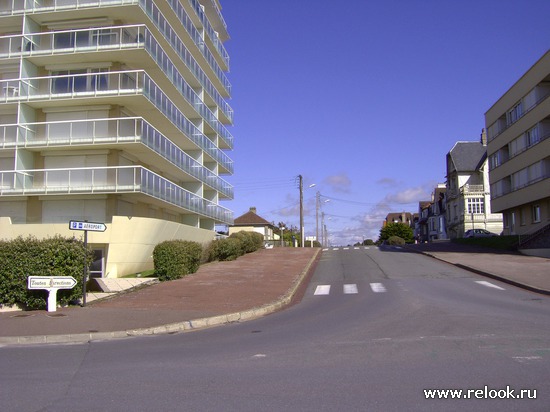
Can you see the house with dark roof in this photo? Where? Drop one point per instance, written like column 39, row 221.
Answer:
column 252, row 222
column 468, row 194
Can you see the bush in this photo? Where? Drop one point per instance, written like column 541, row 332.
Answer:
column 225, row 249
column 174, row 259
column 396, row 240
column 24, row 257
column 251, row 241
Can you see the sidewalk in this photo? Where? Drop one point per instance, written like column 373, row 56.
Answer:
column 528, row 272
column 222, row 292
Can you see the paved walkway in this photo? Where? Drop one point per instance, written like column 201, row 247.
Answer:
column 252, row 286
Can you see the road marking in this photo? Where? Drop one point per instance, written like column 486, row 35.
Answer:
column 350, row 289
column 322, row 290
column 377, row 287
column 489, row 284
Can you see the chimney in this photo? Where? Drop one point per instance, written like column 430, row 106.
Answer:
column 253, row 209
column 483, row 137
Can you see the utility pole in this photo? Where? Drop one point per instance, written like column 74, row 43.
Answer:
column 301, row 209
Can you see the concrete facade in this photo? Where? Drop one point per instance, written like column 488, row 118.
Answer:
column 518, row 149
column 116, row 112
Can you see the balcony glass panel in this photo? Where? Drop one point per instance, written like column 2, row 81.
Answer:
column 123, row 179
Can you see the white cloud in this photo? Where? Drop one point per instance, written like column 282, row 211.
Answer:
column 338, row 183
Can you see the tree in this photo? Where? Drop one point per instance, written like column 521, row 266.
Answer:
column 401, row 230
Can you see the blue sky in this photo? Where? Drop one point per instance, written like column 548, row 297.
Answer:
column 364, row 99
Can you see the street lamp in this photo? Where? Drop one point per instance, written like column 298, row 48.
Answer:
column 301, row 187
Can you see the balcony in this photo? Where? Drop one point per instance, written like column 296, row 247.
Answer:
column 109, row 180
column 468, row 189
column 114, row 39
column 126, row 131
column 109, row 85
column 18, row 7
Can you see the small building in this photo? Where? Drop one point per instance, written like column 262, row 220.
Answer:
column 252, row 222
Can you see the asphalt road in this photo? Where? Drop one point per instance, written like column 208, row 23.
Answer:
column 374, row 330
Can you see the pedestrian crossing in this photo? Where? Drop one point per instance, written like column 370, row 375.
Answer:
column 348, row 289
column 378, row 287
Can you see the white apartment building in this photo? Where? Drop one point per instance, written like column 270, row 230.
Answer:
column 114, row 111
column 518, row 149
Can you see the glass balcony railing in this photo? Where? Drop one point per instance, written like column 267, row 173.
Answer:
column 110, row 84
column 109, row 131
column 122, row 179
column 16, row 7
column 119, row 38
column 209, row 29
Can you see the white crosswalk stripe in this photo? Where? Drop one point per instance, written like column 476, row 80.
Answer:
column 488, row 284
column 322, row 290
column 378, row 287
column 350, row 289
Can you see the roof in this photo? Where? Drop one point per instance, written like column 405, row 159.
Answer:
column 468, row 156
column 251, row 219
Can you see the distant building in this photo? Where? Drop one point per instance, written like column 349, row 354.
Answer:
column 468, row 196
column 437, row 227
column 252, row 222
column 518, row 149
column 421, row 232
column 401, row 217
column 114, row 112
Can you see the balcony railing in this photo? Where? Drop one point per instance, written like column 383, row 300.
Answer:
column 121, row 179
column 110, row 84
column 120, row 38
column 16, row 7
column 472, row 189
column 109, row 131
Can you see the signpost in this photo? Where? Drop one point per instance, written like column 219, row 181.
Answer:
column 52, row 284
column 86, row 226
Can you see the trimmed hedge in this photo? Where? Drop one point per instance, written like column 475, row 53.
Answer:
column 229, row 248
column 251, row 241
column 232, row 247
column 24, row 257
column 174, row 259
column 396, row 240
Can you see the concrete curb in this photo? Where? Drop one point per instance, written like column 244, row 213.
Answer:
column 184, row 326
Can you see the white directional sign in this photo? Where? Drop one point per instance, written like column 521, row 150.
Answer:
column 51, row 282
column 91, row 226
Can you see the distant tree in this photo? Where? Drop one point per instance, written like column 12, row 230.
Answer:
column 401, row 230
column 368, row 242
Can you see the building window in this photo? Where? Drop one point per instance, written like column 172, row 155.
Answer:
column 514, row 113
column 532, row 136
column 476, row 205
column 536, row 213
column 522, row 217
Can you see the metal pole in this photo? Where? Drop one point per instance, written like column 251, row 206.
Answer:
column 317, row 206
column 85, row 274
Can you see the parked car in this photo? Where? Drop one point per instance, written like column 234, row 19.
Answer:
column 479, row 233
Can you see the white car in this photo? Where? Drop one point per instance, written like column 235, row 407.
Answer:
column 479, row 233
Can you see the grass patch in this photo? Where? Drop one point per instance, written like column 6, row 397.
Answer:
column 498, row 242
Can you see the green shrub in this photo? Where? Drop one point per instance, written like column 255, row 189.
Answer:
column 251, row 241
column 225, row 249
column 396, row 240
column 24, row 257
column 174, row 259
